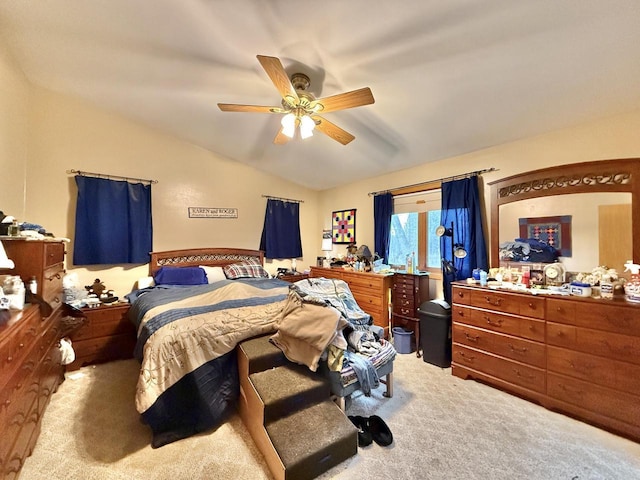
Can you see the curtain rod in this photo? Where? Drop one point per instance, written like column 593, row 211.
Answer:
column 443, row 179
column 283, row 199
column 109, row 177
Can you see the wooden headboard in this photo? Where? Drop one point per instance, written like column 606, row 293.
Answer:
column 212, row 257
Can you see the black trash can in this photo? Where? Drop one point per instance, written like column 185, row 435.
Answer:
column 435, row 332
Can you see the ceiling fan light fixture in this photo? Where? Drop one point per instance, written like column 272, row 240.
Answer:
column 289, row 125
column 306, row 126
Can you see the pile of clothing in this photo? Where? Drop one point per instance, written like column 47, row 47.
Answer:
column 528, row 250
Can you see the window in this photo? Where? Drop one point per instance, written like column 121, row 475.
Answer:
column 403, row 239
column 413, row 228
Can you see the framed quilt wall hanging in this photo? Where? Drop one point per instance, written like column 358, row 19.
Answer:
column 343, row 226
column 554, row 231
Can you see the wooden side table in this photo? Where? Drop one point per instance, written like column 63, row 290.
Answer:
column 107, row 335
column 408, row 292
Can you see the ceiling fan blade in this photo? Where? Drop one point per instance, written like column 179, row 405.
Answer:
column 281, row 138
column 342, row 101
column 279, row 77
column 332, row 130
column 233, row 107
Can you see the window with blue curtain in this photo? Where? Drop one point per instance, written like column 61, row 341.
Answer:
column 461, row 207
column 281, row 231
column 113, row 222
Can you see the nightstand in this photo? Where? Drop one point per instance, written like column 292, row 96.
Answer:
column 293, row 278
column 107, row 335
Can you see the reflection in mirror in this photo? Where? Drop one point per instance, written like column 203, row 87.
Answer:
column 600, row 226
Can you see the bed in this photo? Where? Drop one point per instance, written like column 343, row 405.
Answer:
column 187, row 335
column 187, row 332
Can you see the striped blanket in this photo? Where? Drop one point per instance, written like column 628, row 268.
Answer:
column 181, row 329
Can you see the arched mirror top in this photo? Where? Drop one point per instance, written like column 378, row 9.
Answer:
column 619, row 175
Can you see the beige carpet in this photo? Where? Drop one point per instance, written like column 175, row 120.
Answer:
column 443, row 427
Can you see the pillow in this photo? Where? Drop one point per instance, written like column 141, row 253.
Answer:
column 145, row 282
column 214, row 274
column 180, row 276
column 245, row 270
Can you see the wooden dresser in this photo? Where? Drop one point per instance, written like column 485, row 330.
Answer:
column 574, row 355
column 43, row 260
column 107, row 335
column 30, row 358
column 370, row 290
column 408, row 291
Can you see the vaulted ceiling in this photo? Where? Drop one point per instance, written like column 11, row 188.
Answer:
column 448, row 77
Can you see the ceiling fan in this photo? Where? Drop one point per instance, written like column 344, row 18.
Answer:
column 300, row 108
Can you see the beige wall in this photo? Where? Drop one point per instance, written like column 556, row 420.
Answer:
column 64, row 133
column 14, row 104
column 615, row 137
column 43, row 134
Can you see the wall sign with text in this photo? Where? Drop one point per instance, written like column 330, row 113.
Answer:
column 212, row 212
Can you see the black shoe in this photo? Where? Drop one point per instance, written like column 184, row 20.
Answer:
column 364, row 434
column 379, row 431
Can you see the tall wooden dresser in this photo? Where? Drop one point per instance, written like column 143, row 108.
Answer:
column 30, row 358
column 370, row 290
column 579, row 356
column 408, row 291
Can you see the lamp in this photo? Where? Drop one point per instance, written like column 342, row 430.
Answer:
column 457, row 249
column 4, row 260
column 306, row 126
column 326, row 247
column 289, row 125
column 297, row 117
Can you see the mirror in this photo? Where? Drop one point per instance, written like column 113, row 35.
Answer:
column 598, row 196
column 600, row 226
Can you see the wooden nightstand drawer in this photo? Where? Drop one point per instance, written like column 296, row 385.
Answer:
column 107, row 334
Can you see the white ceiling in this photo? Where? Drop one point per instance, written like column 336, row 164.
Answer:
column 449, row 77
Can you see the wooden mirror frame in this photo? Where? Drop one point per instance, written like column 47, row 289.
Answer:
column 618, row 175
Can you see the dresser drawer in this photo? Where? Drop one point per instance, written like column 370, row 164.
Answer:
column 406, row 307
column 51, row 288
column 604, row 401
column 526, row 305
column 362, row 281
column 510, row 371
column 611, row 318
column 530, row 328
column 104, row 321
column 525, row 351
column 367, row 299
column 404, row 281
column 16, row 418
column 53, row 253
column 603, row 371
column 460, row 295
column 104, row 348
column 14, row 350
column 596, row 342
